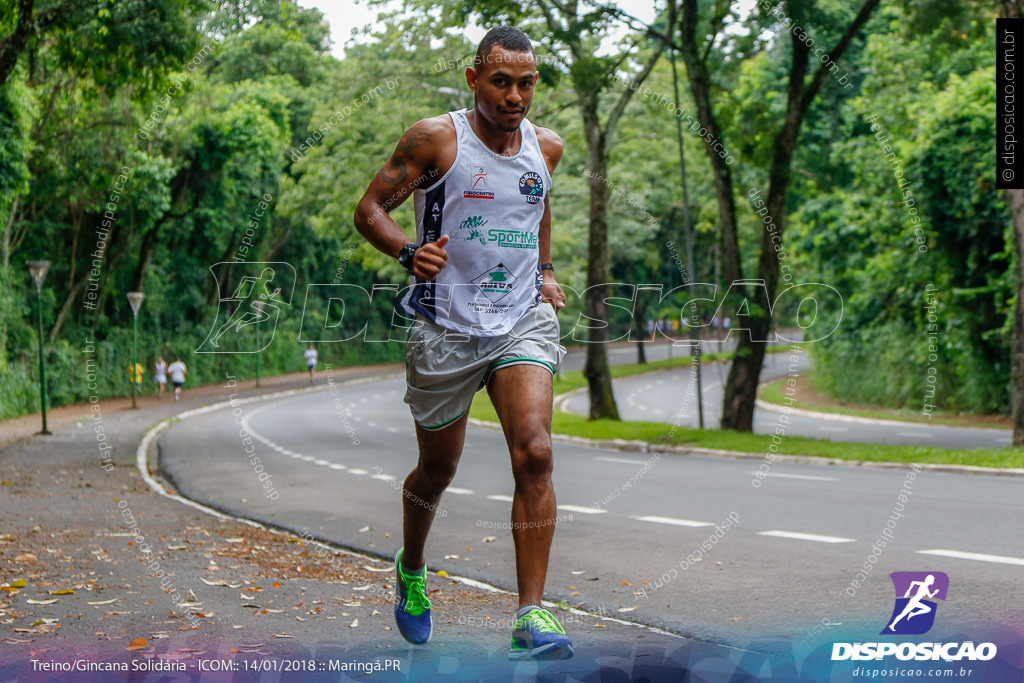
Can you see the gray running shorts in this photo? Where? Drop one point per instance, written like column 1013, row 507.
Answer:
column 444, row 369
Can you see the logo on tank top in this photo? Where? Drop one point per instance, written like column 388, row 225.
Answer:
column 479, row 191
column 496, row 283
column 531, row 186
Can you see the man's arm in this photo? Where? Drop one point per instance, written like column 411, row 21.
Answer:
column 550, row 291
column 418, row 158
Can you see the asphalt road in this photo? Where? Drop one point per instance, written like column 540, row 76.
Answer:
column 671, row 397
column 628, row 523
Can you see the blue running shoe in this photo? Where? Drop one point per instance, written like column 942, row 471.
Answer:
column 538, row 635
column 412, row 608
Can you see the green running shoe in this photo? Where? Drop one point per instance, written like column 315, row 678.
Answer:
column 412, row 608
column 538, row 635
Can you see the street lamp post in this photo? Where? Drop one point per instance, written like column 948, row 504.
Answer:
column 37, row 269
column 135, row 299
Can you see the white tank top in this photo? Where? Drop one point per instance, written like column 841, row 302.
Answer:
column 490, row 206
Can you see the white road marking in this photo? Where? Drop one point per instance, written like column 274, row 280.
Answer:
column 357, row 471
column 371, row 424
column 581, row 509
column 382, row 477
column 980, row 557
column 459, row 491
column 499, row 496
column 322, row 463
column 392, row 430
column 673, row 521
column 337, row 466
column 797, row 476
column 806, row 537
column 624, row 460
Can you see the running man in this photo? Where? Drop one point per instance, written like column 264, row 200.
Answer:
column 485, row 316
column 311, row 356
column 915, row 606
column 177, row 371
column 160, row 376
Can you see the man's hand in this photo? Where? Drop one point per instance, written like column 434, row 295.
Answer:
column 429, row 259
column 551, row 292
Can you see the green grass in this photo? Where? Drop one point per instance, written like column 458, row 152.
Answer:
column 658, row 433
column 772, row 393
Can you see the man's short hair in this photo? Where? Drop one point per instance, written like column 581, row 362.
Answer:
column 503, row 36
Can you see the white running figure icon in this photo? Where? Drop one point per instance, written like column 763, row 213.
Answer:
column 915, row 606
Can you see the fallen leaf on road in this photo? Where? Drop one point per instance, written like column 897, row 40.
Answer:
column 103, row 602
column 365, row 529
column 239, row 539
column 577, row 573
column 138, row 644
column 276, row 584
column 18, row 583
column 42, row 602
column 355, row 622
column 362, row 588
column 451, row 557
column 177, row 547
column 442, row 573
column 25, row 558
column 63, row 591
column 489, row 539
column 377, row 569
column 628, row 609
column 44, row 620
column 282, row 635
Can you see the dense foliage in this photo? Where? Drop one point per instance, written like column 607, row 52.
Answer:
column 243, row 105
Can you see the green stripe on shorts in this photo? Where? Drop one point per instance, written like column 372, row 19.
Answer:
column 499, row 363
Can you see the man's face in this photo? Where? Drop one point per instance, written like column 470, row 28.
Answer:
column 504, row 87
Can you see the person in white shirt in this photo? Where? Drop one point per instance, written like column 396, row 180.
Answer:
column 177, row 371
column 161, row 376
column 311, row 358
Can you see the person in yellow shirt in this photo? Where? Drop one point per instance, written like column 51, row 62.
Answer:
column 136, row 376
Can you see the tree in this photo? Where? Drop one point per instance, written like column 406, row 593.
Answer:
column 695, row 47
column 1011, row 9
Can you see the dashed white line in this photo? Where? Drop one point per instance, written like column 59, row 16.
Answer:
column 980, row 557
column 672, row 520
column 382, row 477
column 392, row 430
column 796, row 535
column 623, row 460
column 337, row 466
column 358, row 471
column 322, row 463
column 796, row 476
column 371, row 424
column 499, row 496
column 459, row 491
column 581, row 509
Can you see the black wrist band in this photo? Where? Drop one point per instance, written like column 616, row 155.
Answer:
column 547, row 266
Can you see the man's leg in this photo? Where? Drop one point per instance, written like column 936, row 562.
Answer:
column 522, row 396
column 440, row 451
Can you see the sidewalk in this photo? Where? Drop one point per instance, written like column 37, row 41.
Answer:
column 115, row 572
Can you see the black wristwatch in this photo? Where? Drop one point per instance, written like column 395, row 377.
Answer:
column 405, row 256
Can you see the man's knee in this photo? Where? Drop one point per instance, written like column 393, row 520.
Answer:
column 532, row 458
column 437, row 475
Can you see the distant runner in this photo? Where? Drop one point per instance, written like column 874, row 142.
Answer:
column 311, row 357
column 177, row 371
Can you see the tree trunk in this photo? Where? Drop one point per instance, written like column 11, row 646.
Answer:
column 700, row 87
column 597, row 370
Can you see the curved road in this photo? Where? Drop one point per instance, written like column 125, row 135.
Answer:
column 628, row 522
